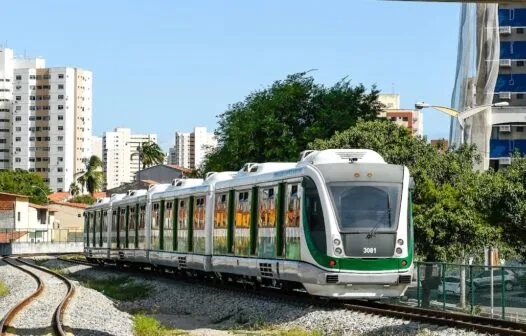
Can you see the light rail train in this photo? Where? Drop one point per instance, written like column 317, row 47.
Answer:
column 338, row 223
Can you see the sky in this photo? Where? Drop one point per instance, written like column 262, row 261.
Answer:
column 163, row 66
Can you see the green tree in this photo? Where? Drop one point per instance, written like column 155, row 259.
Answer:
column 84, row 199
column 277, row 123
column 92, row 177
column 74, row 189
column 448, row 221
column 24, row 183
column 149, row 153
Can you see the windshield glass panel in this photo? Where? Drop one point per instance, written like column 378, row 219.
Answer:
column 367, row 206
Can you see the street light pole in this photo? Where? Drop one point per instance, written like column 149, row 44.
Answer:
column 47, row 209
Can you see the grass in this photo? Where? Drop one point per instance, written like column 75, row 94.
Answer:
column 118, row 288
column 148, row 326
column 3, row 289
column 263, row 329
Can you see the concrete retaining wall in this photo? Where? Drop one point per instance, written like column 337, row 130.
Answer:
column 40, row 248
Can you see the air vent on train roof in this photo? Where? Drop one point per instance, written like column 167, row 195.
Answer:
column 250, row 167
column 177, row 182
column 209, row 174
column 342, row 155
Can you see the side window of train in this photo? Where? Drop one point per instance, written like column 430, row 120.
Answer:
column 242, row 219
column 131, row 219
column 292, row 212
column 221, row 211
column 142, row 216
column 267, row 207
column 155, row 215
column 314, row 214
column 168, row 215
column 182, row 218
column 199, row 212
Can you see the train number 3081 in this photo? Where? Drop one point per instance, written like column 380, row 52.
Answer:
column 369, row 250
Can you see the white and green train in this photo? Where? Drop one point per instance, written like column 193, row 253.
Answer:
column 338, row 223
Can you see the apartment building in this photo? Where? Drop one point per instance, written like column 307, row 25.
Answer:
column 190, row 148
column 120, row 155
column 8, row 64
column 52, row 123
column 411, row 119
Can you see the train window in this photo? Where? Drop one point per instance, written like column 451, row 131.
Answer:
column 168, row 215
column 199, row 213
column 242, row 219
column 314, row 215
column 142, row 216
column 131, row 219
column 292, row 216
column 182, row 216
column 155, row 216
column 221, row 212
column 267, row 208
column 367, row 206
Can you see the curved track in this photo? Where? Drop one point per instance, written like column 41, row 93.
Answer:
column 56, row 322
column 436, row 317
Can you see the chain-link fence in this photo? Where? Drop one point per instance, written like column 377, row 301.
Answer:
column 41, row 236
column 498, row 291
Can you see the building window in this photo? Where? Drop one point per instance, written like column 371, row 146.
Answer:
column 61, row 86
column 60, row 76
column 18, row 216
column 18, row 129
column 405, row 119
column 520, row 63
column 60, row 169
column 520, row 129
column 60, row 128
column 60, row 179
column 60, row 149
column 60, row 159
column 18, row 160
column 60, row 96
column 18, row 98
column 60, row 138
column 18, row 118
column 18, row 77
column 61, row 107
column 60, row 117
column 18, row 149
column 18, row 139
column 520, row 30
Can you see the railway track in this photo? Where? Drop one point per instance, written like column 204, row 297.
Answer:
column 427, row 316
column 33, row 299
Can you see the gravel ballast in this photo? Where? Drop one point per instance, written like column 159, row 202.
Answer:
column 204, row 310
column 20, row 286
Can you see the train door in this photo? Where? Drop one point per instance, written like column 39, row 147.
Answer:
column 155, row 239
column 168, row 242
column 86, row 229
column 220, row 231
column 114, row 231
column 199, row 232
column 242, row 221
column 266, row 222
column 292, row 229
column 132, row 225
column 182, row 225
column 122, row 228
column 105, row 228
column 142, row 227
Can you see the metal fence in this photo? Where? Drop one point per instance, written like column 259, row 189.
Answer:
column 498, row 291
column 41, row 235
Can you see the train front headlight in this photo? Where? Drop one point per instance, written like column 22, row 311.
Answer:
column 398, row 250
column 338, row 250
column 400, row 241
column 336, row 241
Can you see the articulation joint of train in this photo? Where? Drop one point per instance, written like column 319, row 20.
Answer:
column 338, row 223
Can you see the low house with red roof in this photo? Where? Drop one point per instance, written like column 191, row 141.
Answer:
column 21, row 220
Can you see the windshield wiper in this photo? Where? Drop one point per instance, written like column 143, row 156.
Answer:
column 372, row 233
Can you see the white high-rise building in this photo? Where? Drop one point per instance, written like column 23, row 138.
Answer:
column 52, row 122
column 96, row 146
column 120, row 155
column 8, row 64
column 191, row 148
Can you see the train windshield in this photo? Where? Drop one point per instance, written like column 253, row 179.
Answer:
column 366, row 206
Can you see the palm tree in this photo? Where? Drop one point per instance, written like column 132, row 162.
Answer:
column 149, row 154
column 92, row 177
column 74, row 189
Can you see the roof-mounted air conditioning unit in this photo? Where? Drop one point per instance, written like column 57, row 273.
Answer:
column 505, row 63
column 505, row 128
column 505, row 30
column 505, row 95
column 505, row 161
